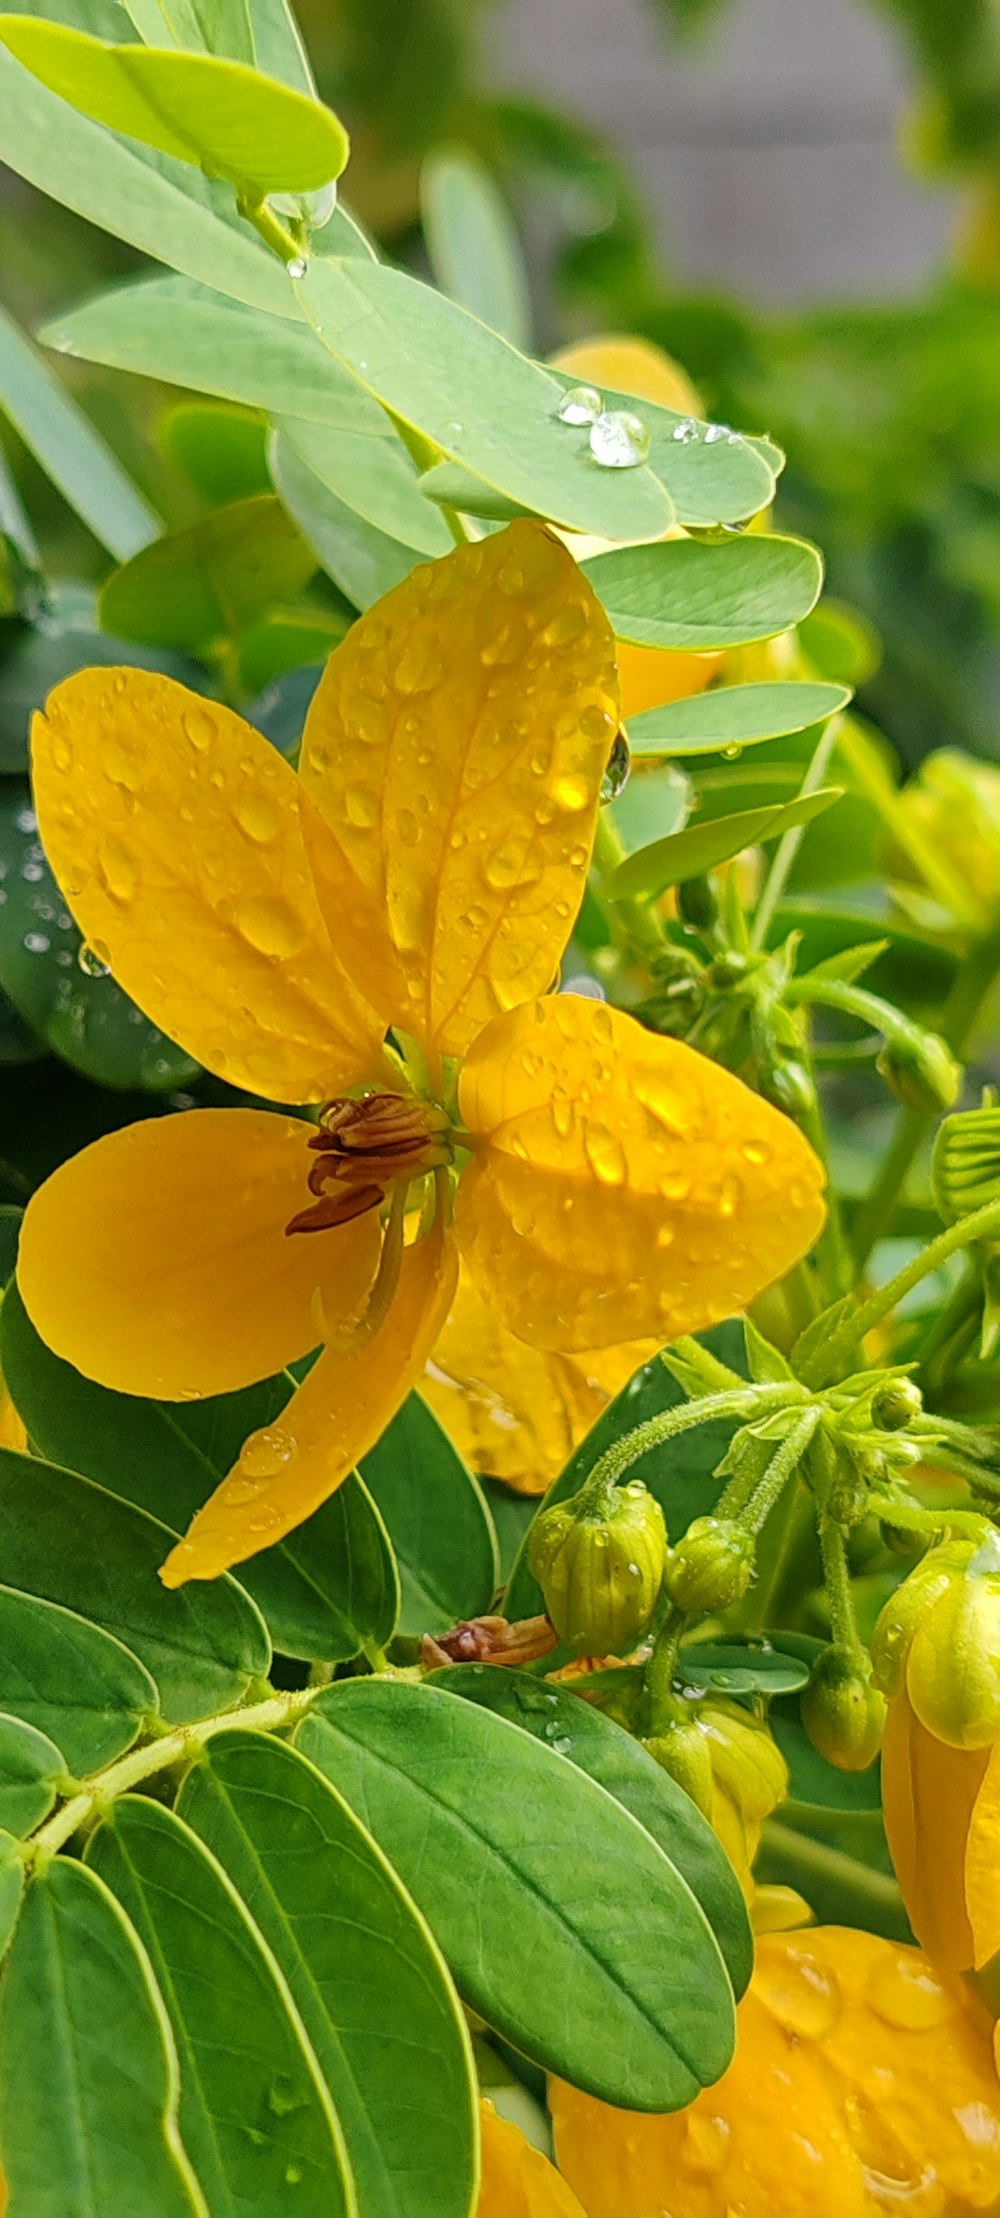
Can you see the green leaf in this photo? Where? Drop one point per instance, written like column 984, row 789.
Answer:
column 438, row 1521
column 31, row 1769
column 473, row 245
column 473, row 397
column 452, row 487
column 221, row 449
column 375, row 477
column 64, row 639
column 278, row 44
column 702, row 846
column 84, row 1018
column 740, row 1667
column 68, row 448
column 11, row 1889
column 366, row 1977
column 681, row 1474
column 255, row 2113
column 324, row 1592
column 68, row 1541
column 711, row 475
column 733, row 716
column 218, row 115
column 185, row 334
column 211, row 578
column 71, row 1681
column 363, row 561
column 573, row 1728
column 507, row 1849
column 11, row 1220
column 88, row 2069
column 692, row 593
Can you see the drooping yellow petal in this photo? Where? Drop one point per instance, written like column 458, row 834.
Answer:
column 928, row 1797
column 452, row 760
column 982, row 1864
column 517, row 1413
column 173, row 829
column 622, row 1184
column 345, row 1404
column 157, row 1260
column 517, row 2181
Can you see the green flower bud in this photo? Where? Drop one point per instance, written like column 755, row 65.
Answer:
column 843, row 1713
column 679, row 1747
column 895, row 1404
column 729, row 969
column 697, row 904
column 787, row 1083
column 746, row 1763
column 953, row 1667
column 600, row 1566
column 965, row 1167
column 712, row 1567
column 898, row 1620
column 902, row 1540
column 920, row 1069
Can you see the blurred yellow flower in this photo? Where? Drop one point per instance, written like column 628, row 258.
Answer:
column 951, row 808
column 358, row 932
column 862, row 2083
column 518, row 2182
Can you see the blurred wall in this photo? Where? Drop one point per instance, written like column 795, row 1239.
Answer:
column 764, row 148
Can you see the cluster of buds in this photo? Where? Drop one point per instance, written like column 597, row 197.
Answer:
column 727, row 1761
column 938, row 1638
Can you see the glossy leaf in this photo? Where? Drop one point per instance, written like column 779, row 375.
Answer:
column 219, row 115
column 363, row 561
column 711, row 474
column 69, row 449
column 210, row 578
column 375, row 477
column 438, row 1521
column 702, row 847
column 681, row 1474
column 741, row 1667
column 185, row 334
column 220, row 448
column 88, row 2069
column 68, row 1541
column 31, row 1768
column 324, row 1592
column 71, row 1681
column 696, row 594
column 573, row 1728
column 255, row 2114
column 473, row 244
column 80, row 1013
column 371, row 1989
column 11, row 1889
column 507, row 1849
column 733, row 716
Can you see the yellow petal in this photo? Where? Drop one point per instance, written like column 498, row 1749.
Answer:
column 982, row 1864
column 623, row 1184
column 344, row 1406
column 630, row 366
column 157, row 1260
column 928, row 1797
column 453, row 755
column 517, row 1413
column 172, row 827
column 517, row 2181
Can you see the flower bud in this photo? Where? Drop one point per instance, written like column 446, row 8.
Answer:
column 895, row 1404
column 897, row 1622
column 600, row 1566
column 902, row 1540
column 679, row 1747
column 729, row 969
column 787, row 1083
column 711, row 1568
column 747, row 1764
column 843, row 1713
column 953, row 1667
column 697, row 904
column 920, row 1069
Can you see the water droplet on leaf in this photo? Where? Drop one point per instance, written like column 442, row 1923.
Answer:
column 619, row 440
column 93, row 959
column 581, row 405
column 619, row 765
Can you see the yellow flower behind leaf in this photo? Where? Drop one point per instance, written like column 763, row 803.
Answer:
column 517, row 2181
column 862, row 2083
column 351, row 936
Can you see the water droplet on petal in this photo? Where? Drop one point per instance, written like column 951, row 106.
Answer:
column 200, row 728
column 257, row 816
column 905, row 1992
column 572, row 793
column 361, row 806
column 581, row 405
column 619, row 440
column 267, row 1453
column 60, row 749
column 119, row 871
column 605, row 1155
column 797, row 1989
column 715, row 432
column 93, row 959
column 270, row 925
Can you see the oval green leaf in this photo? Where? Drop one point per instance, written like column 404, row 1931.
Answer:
column 68, row 1541
column 219, row 115
column 363, row 561
column 71, row 1680
column 211, row 578
column 701, row 847
column 256, row 2116
column 712, row 474
column 31, row 1767
column 88, row 2069
column 740, row 1667
column 733, row 716
column 694, row 594
column 374, row 477
column 573, row 1728
column 366, row 1977
column 507, row 1849
column 438, row 1521
column 69, row 449
column 473, row 244
column 11, row 1888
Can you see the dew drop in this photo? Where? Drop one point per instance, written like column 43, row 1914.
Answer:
column 297, row 266
column 616, row 775
column 200, row 728
column 572, row 792
column 257, row 816
column 906, row 1994
column 361, row 807
column 93, row 959
column 605, row 1155
column 706, row 2143
column 562, row 1118
column 265, row 1454
column 655, row 1091
column 37, row 943
column 619, row 440
column 715, row 432
column 60, row 749
column 565, row 627
column 756, row 1151
column 686, row 431
column 581, row 405
column 271, row 925
column 799, row 1992
column 119, row 871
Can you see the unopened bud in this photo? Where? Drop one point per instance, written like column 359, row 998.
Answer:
column 600, row 1566
column 895, row 1404
column 712, row 1567
column 787, row 1083
column 920, row 1069
column 680, row 1748
column 696, row 903
column 897, row 1623
column 728, row 969
column 747, row 1763
column 843, row 1713
column 953, row 1667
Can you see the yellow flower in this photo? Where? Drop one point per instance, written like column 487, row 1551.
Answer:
column 952, row 805
column 729, row 1763
column 861, row 2083
column 518, row 2182
column 419, row 879
column 942, row 1822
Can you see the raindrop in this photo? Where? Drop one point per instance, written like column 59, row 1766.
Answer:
column 257, row 817
column 32, row 873
column 733, row 752
column 715, row 432
column 616, row 775
column 271, row 925
column 37, row 943
column 619, row 440
column 581, row 405
column 571, row 793
column 26, row 820
column 686, row 431
column 267, row 1453
column 93, row 959
column 605, row 1155
column 284, row 2097
column 297, row 266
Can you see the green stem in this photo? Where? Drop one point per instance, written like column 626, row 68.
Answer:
column 911, row 1519
column 273, row 233
column 788, row 846
column 160, row 1755
column 782, row 1467
column 637, row 920
column 980, row 1225
column 749, row 1401
column 837, row 1581
column 662, row 1667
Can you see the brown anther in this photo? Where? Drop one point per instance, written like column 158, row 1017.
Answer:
column 362, row 1147
column 490, row 1640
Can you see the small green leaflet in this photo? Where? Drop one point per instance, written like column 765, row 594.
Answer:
column 702, row 846
column 31, row 1770
column 733, row 716
column 697, row 594
column 473, row 244
column 211, row 577
column 69, row 449
column 72, row 1681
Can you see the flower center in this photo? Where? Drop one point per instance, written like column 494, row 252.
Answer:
column 362, row 1148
